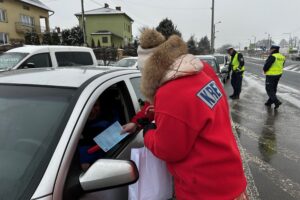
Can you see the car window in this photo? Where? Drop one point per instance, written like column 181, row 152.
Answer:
column 39, row 60
column 136, row 86
column 11, row 59
column 220, row 59
column 31, row 123
column 65, row 59
column 126, row 63
column 114, row 104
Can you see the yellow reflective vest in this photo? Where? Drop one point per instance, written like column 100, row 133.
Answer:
column 235, row 63
column 277, row 66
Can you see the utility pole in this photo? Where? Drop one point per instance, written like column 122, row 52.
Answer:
column 83, row 24
column 212, row 39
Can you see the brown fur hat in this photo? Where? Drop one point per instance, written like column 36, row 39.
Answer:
column 158, row 64
column 150, row 38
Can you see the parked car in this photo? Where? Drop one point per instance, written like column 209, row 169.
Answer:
column 43, row 114
column 31, row 56
column 210, row 60
column 223, row 62
column 129, row 62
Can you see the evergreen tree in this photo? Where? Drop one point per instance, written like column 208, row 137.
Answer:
column 93, row 43
column 204, row 45
column 55, row 38
column 192, row 48
column 32, row 38
column 47, row 39
column 167, row 28
column 98, row 45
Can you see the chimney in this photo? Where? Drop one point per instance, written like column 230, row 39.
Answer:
column 106, row 5
column 118, row 8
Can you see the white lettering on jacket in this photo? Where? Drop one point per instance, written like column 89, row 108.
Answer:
column 210, row 94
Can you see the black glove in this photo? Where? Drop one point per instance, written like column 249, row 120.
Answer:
column 143, row 122
column 148, row 127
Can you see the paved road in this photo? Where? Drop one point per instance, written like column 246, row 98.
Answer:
column 270, row 139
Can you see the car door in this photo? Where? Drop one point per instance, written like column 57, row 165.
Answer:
column 67, row 185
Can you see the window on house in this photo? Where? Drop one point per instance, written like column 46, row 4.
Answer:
column 3, row 38
column 3, row 15
column 104, row 39
column 26, row 7
column 27, row 20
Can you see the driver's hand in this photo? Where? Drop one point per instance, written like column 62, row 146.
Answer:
column 129, row 128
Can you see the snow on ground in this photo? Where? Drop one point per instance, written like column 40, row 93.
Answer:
column 284, row 92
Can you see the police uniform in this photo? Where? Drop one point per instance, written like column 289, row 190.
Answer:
column 273, row 70
column 238, row 68
column 193, row 132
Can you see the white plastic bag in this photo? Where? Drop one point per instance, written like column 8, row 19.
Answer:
column 155, row 182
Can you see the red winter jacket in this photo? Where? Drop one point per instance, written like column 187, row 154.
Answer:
column 195, row 138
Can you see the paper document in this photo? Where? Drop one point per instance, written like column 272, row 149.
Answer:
column 111, row 136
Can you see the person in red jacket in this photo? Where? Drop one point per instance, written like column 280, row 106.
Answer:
column 192, row 130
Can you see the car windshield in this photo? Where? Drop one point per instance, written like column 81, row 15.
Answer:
column 211, row 62
column 31, row 122
column 10, row 59
column 220, row 59
column 125, row 63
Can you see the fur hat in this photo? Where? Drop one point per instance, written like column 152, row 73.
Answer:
column 158, row 59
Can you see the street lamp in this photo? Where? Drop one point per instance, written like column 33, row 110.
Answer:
column 254, row 42
column 269, row 40
column 214, row 36
column 290, row 39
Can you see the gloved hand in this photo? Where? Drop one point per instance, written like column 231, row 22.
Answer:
column 143, row 121
column 148, row 127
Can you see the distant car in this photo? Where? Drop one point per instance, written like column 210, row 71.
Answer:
column 43, row 114
column 211, row 60
column 32, row 56
column 223, row 62
column 129, row 62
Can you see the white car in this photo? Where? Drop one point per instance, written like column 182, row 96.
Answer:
column 222, row 60
column 129, row 62
column 211, row 60
column 43, row 114
column 31, row 56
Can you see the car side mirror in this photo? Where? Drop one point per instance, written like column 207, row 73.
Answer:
column 224, row 70
column 29, row 65
column 109, row 173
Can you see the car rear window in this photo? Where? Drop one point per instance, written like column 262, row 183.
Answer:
column 65, row 59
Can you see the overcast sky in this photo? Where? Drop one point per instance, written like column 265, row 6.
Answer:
column 241, row 20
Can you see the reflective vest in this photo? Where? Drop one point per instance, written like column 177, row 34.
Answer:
column 235, row 63
column 277, row 66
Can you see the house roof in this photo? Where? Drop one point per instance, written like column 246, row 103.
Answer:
column 37, row 3
column 104, row 11
column 105, row 32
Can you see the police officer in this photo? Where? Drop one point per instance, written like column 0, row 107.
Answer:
column 236, row 65
column 273, row 69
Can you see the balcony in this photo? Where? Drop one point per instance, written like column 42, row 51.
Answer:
column 23, row 28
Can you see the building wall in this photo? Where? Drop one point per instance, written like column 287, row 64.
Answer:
column 117, row 24
column 14, row 10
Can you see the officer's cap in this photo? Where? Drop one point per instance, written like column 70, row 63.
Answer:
column 275, row 47
column 227, row 49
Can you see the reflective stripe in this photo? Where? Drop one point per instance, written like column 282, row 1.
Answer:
column 235, row 63
column 277, row 66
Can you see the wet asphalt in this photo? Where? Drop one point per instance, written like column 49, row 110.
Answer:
column 269, row 139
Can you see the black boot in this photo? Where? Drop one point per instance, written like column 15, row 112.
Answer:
column 277, row 105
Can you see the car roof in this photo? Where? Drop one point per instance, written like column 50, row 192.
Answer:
column 130, row 58
column 34, row 48
column 61, row 77
column 205, row 56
